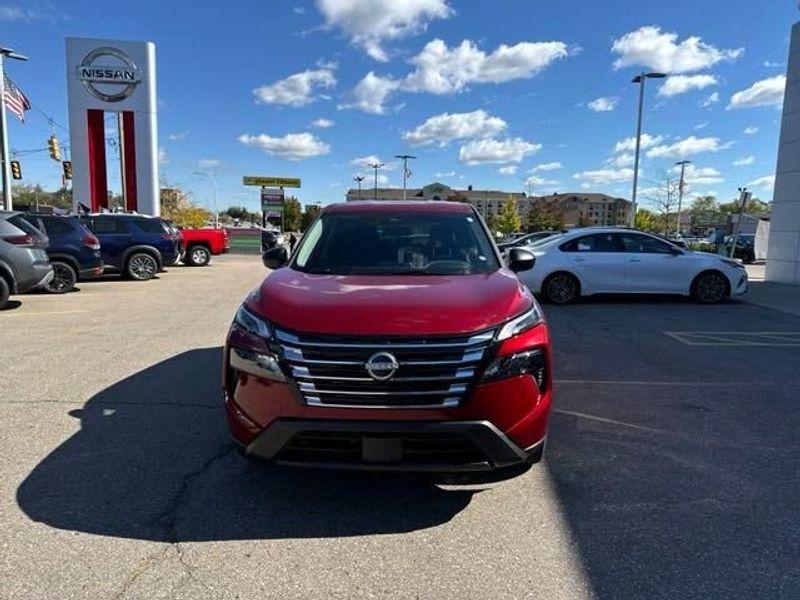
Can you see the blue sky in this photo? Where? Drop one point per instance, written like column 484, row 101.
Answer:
column 484, row 93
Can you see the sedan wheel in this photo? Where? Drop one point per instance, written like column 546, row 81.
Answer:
column 142, row 267
column 561, row 288
column 710, row 288
column 64, row 279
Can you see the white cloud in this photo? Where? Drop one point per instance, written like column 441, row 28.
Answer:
column 299, row 10
column 507, row 170
column 767, row 182
column 773, row 65
column 680, row 84
column 767, row 92
column 604, row 104
column 751, row 130
column 700, row 126
column 550, row 166
column 699, row 175
column 744, row 161
column 604, row 176
column 180, row 135
column 208, row 163
column 536, row 181
column 370, row 94
column 625, row 159
column 292, row 146
column 163, row 159
column 38, row 11
column 687, row 147
column 712, row 99
column 478, row 152
column 443, row 70
column 629, row 144
column 364, row 162
column 651, row 48
column 444, row 128
column 296, row 90
column 322, row 123
column 445, row 174
column 368, row 23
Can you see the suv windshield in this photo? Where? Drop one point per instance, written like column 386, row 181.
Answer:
column 394, row 243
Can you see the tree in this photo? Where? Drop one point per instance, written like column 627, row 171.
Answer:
column 176, row 207
column 663, row 196
column 292, row 212
column 493, row 224
column 543, row 216
column 33, row 195
column 309, row 214
column 237, row 212
column 645, row 220
column 754, row 206
column 704, row 212
column 508, row 219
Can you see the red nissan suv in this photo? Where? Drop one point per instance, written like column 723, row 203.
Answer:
column 393, row 339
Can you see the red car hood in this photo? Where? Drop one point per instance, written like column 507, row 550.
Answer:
column 394, row 305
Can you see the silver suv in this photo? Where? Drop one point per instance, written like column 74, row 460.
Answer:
column 23, row 261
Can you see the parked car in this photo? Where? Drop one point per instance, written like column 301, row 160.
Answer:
column 198, row 245
column 134, row 245
column 23, row 261
column 271, row 238
column 73, row 250
column 395, row 339
column 745, row 247
column 526, row 239
column 607, row 260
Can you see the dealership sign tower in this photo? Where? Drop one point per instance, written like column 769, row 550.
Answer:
column 110, row 76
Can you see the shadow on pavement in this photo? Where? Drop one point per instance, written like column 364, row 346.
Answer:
column 153, row 461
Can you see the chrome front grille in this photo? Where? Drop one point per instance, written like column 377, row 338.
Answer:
column 431, row 372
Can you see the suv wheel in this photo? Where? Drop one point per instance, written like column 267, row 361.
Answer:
column 141, row 266
column 561, row 288
column 198, row 256
column 64, row 278
column 4, row 293
column 710, row 287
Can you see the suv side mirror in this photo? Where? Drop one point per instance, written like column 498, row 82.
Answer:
column 520, row 259
column 275, row 258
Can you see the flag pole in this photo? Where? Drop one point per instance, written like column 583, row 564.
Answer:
column 7, row 202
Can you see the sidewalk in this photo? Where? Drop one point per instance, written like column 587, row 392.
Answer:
column 777, row 296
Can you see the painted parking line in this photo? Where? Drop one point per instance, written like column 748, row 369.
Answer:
column 736, row 338
column 4, row 315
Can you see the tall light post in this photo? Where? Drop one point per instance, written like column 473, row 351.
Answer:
column 6, row 157
column 682, row 165
column 406, row 172
column 376, row 166
column 214, row 185
column 359, row 179
column 640, row 79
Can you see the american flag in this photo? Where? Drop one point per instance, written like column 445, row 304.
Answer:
column 15, row 100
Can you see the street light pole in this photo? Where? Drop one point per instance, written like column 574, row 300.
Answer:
column 376, row 166
column 640, row 79
column 214, row 185
column 405, row 158
column 6, row 156
column 682, row 164
column 359, row 179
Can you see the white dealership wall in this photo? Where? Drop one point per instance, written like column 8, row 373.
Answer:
column 142, row 103
column 783, row 254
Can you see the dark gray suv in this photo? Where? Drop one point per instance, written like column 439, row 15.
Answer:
column 23, row 261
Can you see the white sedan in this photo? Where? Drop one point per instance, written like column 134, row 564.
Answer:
column 625, row 261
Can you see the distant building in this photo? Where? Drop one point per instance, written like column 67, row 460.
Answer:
column 577, row 208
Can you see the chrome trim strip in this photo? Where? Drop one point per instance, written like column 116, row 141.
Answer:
column 470, row 357
column 303, row 373
column 454, row 389
column 482, row 338
column 447, row 403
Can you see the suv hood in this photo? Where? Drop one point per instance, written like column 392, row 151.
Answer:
column 389, row 305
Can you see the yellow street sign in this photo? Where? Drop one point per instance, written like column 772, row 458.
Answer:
column 271, row 181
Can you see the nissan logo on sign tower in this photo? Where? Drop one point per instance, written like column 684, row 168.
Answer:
column 118, row 77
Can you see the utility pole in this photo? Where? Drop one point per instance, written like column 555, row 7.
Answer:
column 6, row 157
column 376, row 166
column 744, row 197
column 406, row 172
column 682, row 164
column 359, row 179
column 640, row 79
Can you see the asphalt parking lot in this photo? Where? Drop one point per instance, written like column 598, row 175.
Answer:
column 671, row 471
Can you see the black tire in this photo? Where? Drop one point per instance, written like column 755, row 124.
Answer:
column 141, row 266
column 5, row 292
column 561, row 288
column 64, row 278
column 197, row 256
column 749, row 258
column 710, row 287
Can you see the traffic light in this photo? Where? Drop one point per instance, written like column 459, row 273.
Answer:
column 67, row 165
column 16, row 169
column 52, row 145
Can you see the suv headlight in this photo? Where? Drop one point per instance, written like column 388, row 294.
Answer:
column 521, row 323
column 530, row 362
column 252, row 324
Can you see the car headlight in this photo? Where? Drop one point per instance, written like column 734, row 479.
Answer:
column 529, row 362
column 253, row 324
column 521, row 323
column 732, row 263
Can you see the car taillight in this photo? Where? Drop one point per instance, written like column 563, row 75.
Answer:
column 21, row 240
column 91, row 242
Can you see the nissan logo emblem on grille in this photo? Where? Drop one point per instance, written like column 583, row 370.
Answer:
column 381, row 366
column 111, row 81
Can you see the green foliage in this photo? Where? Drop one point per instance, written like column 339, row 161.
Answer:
column 27, row 195
column 544, row 216
column 508, row 219
column 645, row 220
column 309, row 214
column 292, row 212
column 237, row 212
column 754, row 205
